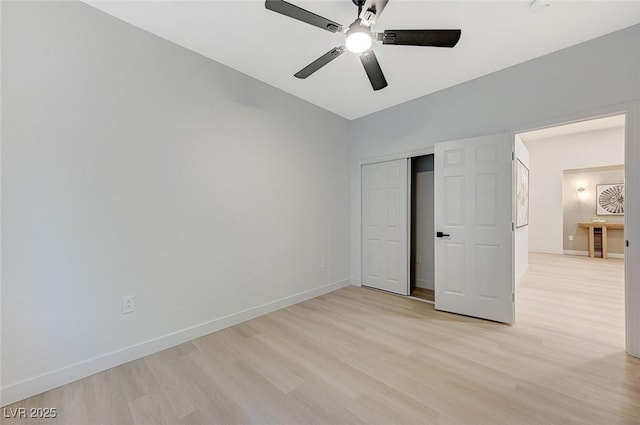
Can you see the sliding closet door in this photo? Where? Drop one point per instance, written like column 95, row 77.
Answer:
column 385, row 226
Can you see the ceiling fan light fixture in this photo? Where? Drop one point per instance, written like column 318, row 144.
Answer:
column 358, row 42
column 358, row 37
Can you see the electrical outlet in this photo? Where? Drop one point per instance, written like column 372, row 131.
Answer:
column 128, row 304
column 570, row 237
column 419, row 259
column 324, row 263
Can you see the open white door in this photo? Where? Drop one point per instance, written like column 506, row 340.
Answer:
column 474, row 225
column 384, row 226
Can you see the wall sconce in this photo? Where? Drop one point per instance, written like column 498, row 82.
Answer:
column 582, row 192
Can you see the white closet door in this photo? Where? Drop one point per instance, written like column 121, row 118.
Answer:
column 384, row 226
column 473, row 218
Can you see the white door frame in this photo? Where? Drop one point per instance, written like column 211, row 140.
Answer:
column 632, row 182
column 631, row 111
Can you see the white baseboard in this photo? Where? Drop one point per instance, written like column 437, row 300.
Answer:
column 47, row 381
column 574, row 252
column 521, row 275
column 586, row 254
column 425, row 284
column 546, row 251
column 356, row 281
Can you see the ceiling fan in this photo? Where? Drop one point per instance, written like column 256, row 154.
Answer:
column 359, row 37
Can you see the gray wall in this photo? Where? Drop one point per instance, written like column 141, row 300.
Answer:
column 422, row 216
column 549, row 158
column 133, row 166
column 424, row 232
column 589, row 76
column 577, row 209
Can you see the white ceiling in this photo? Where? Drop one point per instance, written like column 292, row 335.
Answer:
column 573, row 128
column 271, row 47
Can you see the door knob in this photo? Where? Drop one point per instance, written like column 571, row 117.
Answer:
column 442, row 235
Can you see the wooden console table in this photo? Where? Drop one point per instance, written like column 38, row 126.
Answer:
column 604, row 227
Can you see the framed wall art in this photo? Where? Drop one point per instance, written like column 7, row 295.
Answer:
column 610, row 199
column 522, row 194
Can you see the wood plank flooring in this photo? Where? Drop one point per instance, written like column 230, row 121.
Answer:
column 362, row 356
column 424, row 294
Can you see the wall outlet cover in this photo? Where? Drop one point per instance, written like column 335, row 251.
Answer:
column 128, row 304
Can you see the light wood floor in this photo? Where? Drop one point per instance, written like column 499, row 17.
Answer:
column 363, row 356
column 424, row 294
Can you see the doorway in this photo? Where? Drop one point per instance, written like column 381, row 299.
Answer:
column 422, row 255
column 571, row 165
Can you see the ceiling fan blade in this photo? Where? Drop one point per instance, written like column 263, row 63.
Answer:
column 374, row 72
column 320, row 62
column 434, row 38
column 301, row 14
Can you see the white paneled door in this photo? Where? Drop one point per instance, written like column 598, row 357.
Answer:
column 384, row 226
column 473, row 221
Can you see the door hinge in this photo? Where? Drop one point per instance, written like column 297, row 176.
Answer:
column 626, row 243
column 513, row 156
column 513, row 226
column 513, row 296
